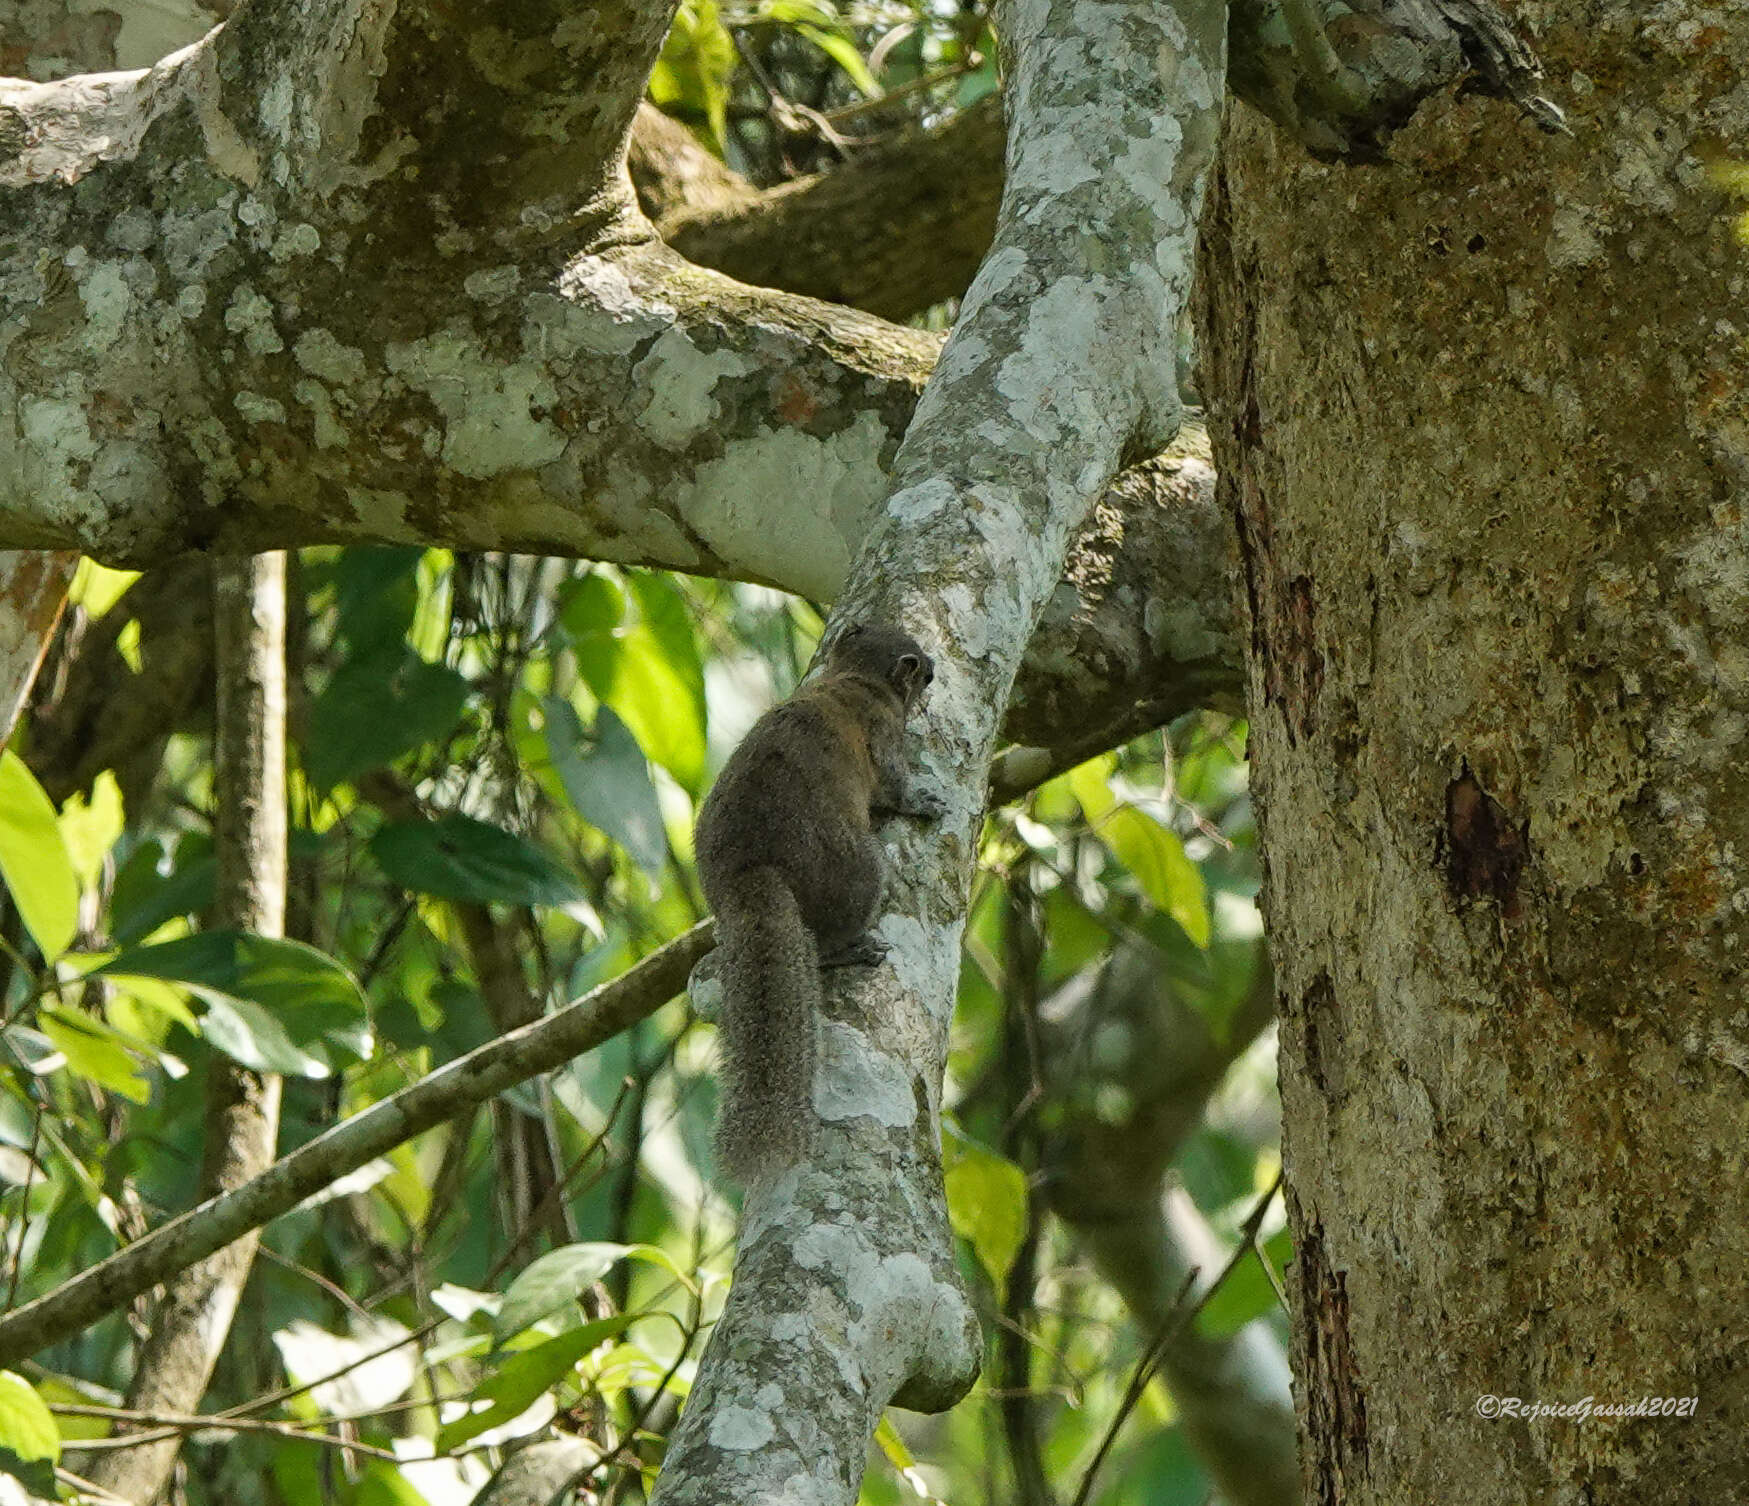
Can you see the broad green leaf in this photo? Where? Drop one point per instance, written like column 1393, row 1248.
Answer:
column 97, row 588
column 457, row 857
column 94, row 1052
column 843, row 52
column 650, row 674
column 145, row 896
column 30, row 1444
column 377, row 708
column 693, row 70
column 381, row 1483
column 159, row 997
column 1156, row 1471
column 1155, row 857
column 558, row 1277
column 273, row 1005
column 376, row 596
column 609, row 785
column 1247, row 1293
column 516, row 1384
column 1091, row 783
column 591, row 607
column 34, row 861
column 986, row 1203
column 90, row 827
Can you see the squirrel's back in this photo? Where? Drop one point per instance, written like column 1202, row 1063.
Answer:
column 792, row 870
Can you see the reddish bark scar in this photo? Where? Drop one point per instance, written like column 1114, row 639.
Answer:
column 1485, row 850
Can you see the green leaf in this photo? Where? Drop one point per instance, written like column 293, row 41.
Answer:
column 159, row 997
column 843, row 52
column 273, row 1005
column 376, row 594
column 986, row 1203
column 380, row 1484
column 1247, row 1294
column 457, row 857
column 558, row 1277
column 591, row 607
column 90, row 827
column 650, row 674
column 375, row 709
column 30, row 1444
column 144, row 898
column 608, row 786
column 1155, row 857
column 524, row 1377
column 693, row 71
column 97, row 588
column 1091, row 783
column 94, row 1052
column 34, row 861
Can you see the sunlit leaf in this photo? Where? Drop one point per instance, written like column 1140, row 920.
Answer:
column 94, row 1052
column 1090, row 782
column 691, row 76
column 986, row 1203
column 1155, row 857
column 558, row 1277
column 457, row 857
column 34, row 861
column 361, row 1371
column 650, row 673
column 30, row 1444
column 97, row 588
column 90, row 827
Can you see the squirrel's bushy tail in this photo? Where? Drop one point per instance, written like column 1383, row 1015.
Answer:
column 771, row 997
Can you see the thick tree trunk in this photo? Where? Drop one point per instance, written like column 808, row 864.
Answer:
column 1480, row 420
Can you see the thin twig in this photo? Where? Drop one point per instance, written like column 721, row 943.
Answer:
column 1178, row 1317
column 36, row 1133
column 174, row 1425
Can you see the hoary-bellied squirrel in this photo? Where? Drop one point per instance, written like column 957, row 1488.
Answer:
column 792, row 869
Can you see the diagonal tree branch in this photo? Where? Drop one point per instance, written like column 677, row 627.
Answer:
column 454, row 1089
column 1060, row 368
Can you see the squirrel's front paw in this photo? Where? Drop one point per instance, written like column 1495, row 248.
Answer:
column 867, row 950
column 924, row 806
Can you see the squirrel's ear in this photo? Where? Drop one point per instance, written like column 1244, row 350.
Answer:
column 910, row 670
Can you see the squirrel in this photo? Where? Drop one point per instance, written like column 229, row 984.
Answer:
column 792, row 869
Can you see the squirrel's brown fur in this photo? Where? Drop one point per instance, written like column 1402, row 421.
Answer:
column 791, row 867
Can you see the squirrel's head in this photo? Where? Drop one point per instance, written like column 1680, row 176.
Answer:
column 883, row 653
